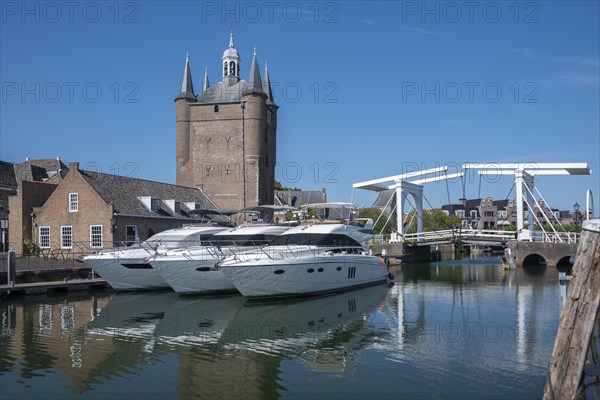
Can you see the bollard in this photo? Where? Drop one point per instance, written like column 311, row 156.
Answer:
column 12, row 267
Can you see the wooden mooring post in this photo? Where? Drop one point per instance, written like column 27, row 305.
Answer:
column 578, row 318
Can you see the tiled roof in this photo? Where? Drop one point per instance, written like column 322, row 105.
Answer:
column 124, row 193
column 299, row 198
column 382, row 199
column 7, row 174
column 41, row 170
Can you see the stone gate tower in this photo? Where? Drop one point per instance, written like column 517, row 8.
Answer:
column 226, row 135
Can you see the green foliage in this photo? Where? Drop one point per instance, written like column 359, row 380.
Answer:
column 435, row 220
column 380, row 226
column 308, row 214
column 31, row 246
column 279, row 186
column 558, row 228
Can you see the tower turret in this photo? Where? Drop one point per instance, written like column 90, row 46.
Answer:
column 254, row 85
column 187, row 87
column 231, row 63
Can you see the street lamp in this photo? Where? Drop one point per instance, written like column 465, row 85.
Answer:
column 576, row 213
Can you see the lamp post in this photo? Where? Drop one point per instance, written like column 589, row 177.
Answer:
column 576, row 213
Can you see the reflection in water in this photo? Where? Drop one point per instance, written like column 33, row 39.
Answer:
column 442, row 331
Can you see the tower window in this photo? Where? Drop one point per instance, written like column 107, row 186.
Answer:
column 225, row 68
column 231, row 68
column 216, row 109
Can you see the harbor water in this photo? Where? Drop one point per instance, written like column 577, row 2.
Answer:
column 462, row 329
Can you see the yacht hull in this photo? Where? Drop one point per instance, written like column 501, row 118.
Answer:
column 189, row 276
column 305, row 277
column 128, row 274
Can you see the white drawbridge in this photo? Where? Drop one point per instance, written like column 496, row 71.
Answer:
column 525, row 174
column 408, row 184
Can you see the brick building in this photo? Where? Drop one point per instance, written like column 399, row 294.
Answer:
column 226, row 135
column 24, row 186
column 90, row 210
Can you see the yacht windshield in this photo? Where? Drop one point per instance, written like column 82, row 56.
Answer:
column 242, row 240
column 175, row 241
column 315, row 239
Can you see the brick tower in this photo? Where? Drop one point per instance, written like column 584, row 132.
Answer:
column 226, row 135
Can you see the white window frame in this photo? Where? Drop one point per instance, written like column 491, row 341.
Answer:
column 135, row 236
column 73, row 202
column 96, row 238
column 44, row 244
column 64, row 236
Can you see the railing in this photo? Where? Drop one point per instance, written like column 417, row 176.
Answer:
column 472, row 235
column 468, row 235
column 291, row 252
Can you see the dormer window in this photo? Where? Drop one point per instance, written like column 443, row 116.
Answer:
column 151, row 203
column 174, row 205
column 73, row 202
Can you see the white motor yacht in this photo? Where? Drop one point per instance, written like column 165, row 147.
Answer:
column 191, row 270
column 314, row 258
column 126, row 268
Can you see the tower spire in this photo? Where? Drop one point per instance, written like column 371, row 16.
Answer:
column 254, row 85
column 187, row 87
column 206, row 85
column 267, row 86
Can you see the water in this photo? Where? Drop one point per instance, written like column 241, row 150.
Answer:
column 446, row 331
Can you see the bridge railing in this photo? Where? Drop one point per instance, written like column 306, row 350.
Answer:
column 558, row 237
column 447, row 235
column 466, row 235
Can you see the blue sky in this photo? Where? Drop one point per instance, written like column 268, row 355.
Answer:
column 366, row 89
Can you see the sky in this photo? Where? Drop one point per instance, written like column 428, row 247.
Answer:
column 366, row 89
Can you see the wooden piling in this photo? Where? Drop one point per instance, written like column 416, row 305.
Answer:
column 577, row 319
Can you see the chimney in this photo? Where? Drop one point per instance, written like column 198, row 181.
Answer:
column 74, row 166
column 462, row 202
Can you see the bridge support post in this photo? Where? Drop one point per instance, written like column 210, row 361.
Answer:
column 402, row 190
column 522, row 180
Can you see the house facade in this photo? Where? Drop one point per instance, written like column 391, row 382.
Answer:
column 89, row 211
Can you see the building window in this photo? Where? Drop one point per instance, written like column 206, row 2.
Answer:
column 96, row 236
column 460, row 213
column 66, row 237
column 131, row 235
column 154, row 205
column 216, row 109
column 44, row 237
column 473, row 214
column 501, row 214
column 488, row 213
column 73, row 202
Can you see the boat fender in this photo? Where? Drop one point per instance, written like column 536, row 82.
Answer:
column 391, row 276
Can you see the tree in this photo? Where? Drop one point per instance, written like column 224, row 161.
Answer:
column 435, row 220
column 278, row 186
column 380, row 227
